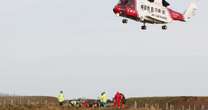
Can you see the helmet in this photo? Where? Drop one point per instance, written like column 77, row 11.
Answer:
column 103, row 93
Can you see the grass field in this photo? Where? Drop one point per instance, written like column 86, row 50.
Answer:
column 143, row 103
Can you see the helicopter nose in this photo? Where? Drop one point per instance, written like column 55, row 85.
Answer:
column 117, row 10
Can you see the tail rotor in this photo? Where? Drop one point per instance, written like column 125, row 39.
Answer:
column 191, row 11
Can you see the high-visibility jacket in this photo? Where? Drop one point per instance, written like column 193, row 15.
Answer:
column 103, row 98
column 61, row 97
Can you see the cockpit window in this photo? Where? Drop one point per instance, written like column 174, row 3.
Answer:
column 127, row 2
column 164, row 2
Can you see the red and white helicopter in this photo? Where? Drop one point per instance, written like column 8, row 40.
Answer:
column 151, row 11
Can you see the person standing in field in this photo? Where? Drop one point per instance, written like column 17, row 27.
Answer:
column 61, row 98
column 103, row 99
column 117, row 100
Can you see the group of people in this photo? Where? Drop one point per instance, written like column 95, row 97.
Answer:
column 118, row 100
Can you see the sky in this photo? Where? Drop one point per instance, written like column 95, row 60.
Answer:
column 82, row 48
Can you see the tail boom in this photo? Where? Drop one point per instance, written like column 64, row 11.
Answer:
column 190, row 12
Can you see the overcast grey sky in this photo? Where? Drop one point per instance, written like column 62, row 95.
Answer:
column 81, row 47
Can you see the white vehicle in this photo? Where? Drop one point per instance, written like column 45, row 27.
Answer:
column 151, row 11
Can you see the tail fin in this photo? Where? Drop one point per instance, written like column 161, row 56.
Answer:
column 190, row 11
